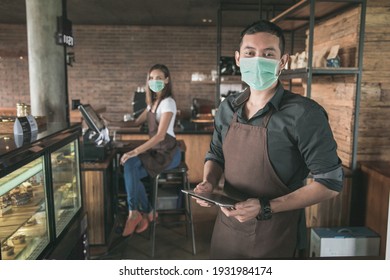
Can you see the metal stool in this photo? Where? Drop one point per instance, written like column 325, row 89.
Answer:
column 157, row 181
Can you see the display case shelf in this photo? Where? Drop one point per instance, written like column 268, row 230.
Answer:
column 24, row 227
column 19, row 176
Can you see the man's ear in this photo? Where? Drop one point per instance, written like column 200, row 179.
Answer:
column 237, row 57
column 284, row 60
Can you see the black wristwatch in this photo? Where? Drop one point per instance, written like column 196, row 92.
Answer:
column 265, row 211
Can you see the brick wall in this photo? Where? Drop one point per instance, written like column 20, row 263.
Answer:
column 112, row 61
column 14, row 82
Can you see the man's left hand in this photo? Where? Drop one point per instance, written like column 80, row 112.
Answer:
column 244, row 210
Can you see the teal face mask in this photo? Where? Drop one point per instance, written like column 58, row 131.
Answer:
column 258, row 72
column 156, row 85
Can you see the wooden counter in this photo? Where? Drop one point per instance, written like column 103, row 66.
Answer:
column 376, row 190
column 98, row 201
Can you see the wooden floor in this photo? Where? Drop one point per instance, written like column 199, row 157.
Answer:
column 171, row 240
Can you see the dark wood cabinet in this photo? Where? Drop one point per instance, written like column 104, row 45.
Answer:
column 375, row 190
column 98, row 198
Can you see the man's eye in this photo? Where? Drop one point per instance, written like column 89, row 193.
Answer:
column 269, row 54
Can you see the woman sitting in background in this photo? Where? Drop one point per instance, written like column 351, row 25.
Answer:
column 159, row 153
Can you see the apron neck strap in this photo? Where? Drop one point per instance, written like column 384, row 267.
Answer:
column 268, row 116
column 234, row 119
column 265, row 119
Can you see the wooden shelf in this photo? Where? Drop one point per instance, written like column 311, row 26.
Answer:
column 303, row 72
column 298, row 16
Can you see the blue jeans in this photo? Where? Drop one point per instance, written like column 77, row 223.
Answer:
column 134, row 171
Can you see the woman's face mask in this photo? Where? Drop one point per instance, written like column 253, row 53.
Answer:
column 258, row 72
column 156, row 85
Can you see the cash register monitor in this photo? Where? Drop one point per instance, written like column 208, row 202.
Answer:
column 92, row 119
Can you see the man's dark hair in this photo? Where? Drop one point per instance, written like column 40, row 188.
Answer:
column 268, row 27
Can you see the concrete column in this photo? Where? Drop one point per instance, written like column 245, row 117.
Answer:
column 46, row 61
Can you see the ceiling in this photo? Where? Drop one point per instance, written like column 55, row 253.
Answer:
column 155, row 12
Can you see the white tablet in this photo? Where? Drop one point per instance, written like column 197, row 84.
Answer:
column 214, row 198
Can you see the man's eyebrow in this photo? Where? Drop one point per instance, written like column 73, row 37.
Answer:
column 270, row 49
column 249, row 47
column 266, row 49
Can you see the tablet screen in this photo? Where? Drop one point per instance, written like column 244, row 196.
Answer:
column 215, row 198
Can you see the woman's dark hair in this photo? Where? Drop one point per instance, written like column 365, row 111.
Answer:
column 268, row 27
column 167, row 91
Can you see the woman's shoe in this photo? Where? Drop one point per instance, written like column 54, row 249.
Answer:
column 143, row 225
column 131, row 224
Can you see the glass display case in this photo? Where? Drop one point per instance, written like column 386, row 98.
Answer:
column 24, row 232
column 66, row 184
column 41, row 196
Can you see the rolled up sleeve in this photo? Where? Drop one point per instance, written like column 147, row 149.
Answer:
column 319, row 149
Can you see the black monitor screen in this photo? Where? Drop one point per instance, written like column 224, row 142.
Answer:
column 93, row 121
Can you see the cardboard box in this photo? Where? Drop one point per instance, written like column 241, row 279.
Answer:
column 344, row 242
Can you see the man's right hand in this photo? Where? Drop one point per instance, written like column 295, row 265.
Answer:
column 203, row 187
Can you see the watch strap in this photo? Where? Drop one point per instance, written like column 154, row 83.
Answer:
column 265, row 209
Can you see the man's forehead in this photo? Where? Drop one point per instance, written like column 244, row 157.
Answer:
column 260, row 39
column 261, row 36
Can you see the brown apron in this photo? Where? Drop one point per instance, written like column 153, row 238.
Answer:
column 249, row 174
column 160, row 156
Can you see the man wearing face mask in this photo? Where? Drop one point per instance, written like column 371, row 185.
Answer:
column 266, row 141
column 159, row 153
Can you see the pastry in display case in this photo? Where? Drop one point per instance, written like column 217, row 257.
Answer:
column 24, row 230
column 66, row 186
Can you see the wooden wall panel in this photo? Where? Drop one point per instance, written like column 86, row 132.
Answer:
column 341, row 30
column 374, row 138
column 337, row 93
column 337, row 96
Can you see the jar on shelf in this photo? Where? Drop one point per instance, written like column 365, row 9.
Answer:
column 20, row 110
column 26, row 109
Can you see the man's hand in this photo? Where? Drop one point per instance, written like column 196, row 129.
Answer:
column 203, row 187
column 244, row 210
